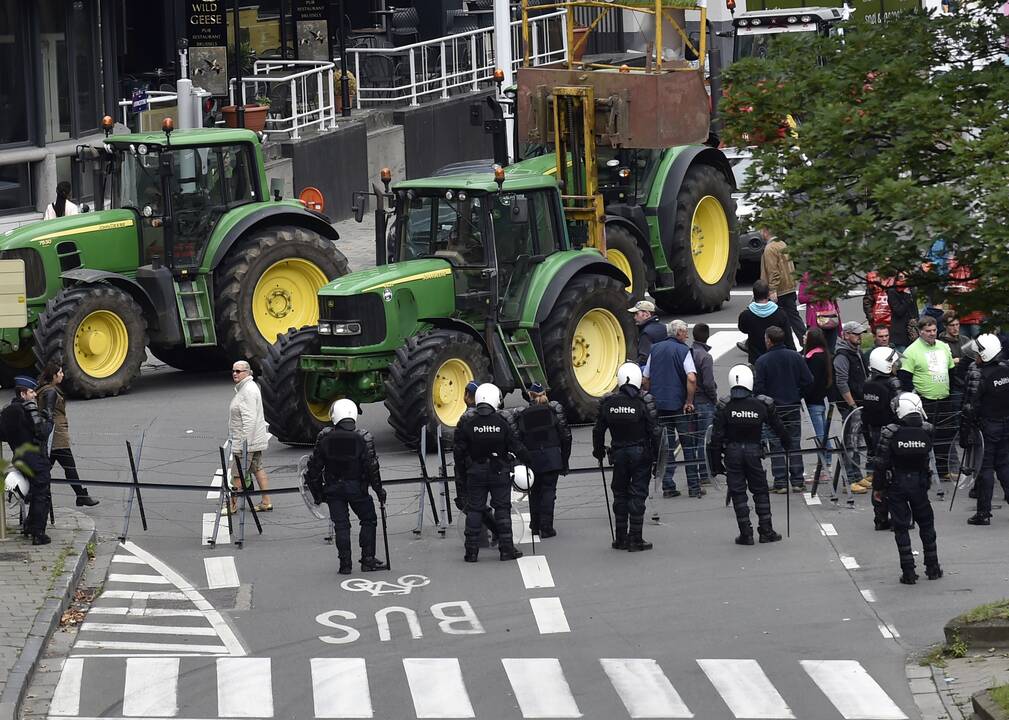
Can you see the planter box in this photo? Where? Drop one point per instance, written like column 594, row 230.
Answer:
column 255, row 116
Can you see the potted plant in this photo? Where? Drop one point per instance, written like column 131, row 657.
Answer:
column 255, row 114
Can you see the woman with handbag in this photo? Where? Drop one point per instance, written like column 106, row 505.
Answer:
column 824, row 314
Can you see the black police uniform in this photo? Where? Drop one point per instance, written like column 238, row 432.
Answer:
column 878, row 395
column 736, row 431
column 901, row 477
column 633, row 421
column 544, row 430
column 986, row 408
column 340, row 469
column 26, row 429
column 483, row 441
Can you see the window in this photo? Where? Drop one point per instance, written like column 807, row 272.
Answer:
column 544, row 209
column 83, row 65
column 14, row 105
column 449, row 229
column 15, row 187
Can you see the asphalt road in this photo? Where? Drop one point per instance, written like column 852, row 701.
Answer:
column 814, row 627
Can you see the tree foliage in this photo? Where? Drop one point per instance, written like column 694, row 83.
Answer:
column 902, row 140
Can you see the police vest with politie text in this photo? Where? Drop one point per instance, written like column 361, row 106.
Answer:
column 627, row 417
column 905, row 450
column 987, row 394
column 745, row 417
column 344, row 461
column 878, row 394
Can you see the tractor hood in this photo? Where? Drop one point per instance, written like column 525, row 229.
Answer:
column 393, row 276
column 71, row 227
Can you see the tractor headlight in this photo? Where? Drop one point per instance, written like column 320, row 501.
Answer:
column 141, row 149
column 351, row 328
column 325, row 328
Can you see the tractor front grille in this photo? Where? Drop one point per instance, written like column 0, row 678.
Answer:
column 365, row 310
column 35, row 273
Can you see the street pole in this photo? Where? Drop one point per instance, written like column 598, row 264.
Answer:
column 503, row 54
column 283, row 29
column 344, row 80
column 239, row 105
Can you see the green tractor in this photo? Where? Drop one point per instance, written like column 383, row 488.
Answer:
column 192, row 259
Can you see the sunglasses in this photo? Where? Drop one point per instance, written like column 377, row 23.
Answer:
column 237, row 372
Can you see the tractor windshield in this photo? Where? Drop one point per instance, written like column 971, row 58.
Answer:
column 435, row 226
column 139, row 185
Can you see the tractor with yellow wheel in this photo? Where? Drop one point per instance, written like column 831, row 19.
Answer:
column 186, row 254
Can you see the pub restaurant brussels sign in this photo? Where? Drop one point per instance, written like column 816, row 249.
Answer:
column 208, row 45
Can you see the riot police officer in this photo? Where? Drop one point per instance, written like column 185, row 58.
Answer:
column 901, row 477
column 26, row 428
column 633, row 421
column 486, row 514
column 736, row 431
column 986, row 410
column 878, row 395
column 543, row 429
column 483, row 441
column 342, row 466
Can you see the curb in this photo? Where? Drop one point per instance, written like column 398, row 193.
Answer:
column 46, row 621
column 990, row 633
column 985, row 708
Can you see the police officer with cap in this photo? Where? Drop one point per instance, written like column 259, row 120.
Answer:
column 633, row 421
column 736, row 433
column 986, row 409
column 543, row 429
column 342, row 466
column 483, row 441
column 26, row 428
column 878, row 394
column 901, row 477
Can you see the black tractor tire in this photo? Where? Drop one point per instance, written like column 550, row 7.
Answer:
column 60, row 322
column 583, row 294
column 236, row 277
column 413, row 375
column 285, row 402
column 620, row 240
column 691, row 292
column 192, row 360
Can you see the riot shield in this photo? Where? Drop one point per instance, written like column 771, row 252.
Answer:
column 317, row 510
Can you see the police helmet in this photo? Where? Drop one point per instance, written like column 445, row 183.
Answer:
column 343, row 409
column 741, row 376
column 15, row 486
column 523, row 478
column 988, row 347
column 908, row 403
column 488, row 394
column 882, row 360
column 629, row 374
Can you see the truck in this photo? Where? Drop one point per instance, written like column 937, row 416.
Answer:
column 187, row 254
column 524, row 273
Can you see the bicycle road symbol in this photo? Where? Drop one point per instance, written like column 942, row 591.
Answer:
column 403, row 585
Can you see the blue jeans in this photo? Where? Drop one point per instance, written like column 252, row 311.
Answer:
column 704, row 415
column 677, row 425
column 791, row 418
column 818, row 419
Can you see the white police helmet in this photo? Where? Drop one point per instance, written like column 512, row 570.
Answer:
column 523, row 478
column 343, row 409
column 629, row 373
column 15, row 486
column 488, row 394
column 741, row 376
column 882, row 360
column 988, row 347
column 908, row 403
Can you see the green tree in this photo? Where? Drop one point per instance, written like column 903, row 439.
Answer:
column 902, row 140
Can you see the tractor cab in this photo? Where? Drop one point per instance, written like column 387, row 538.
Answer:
column 754, row 31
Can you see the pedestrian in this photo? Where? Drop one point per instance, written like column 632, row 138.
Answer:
column 341, row 468
column 962, row 282
column 821, row 367
column 26, row 429
column 706, row 397
column 952, row 336
column 50, row 397
column 62, row 207
column 880, row 339
column 632, row 420
column 483, row 441
column 486, row 515
column 650, row 330
column 903, row 313
column 736, row 450
column 901, row 479
column 248, row 433
column 759, row 315
column 821, row 313
column 925, row 369
column 543, row 428
column 986, row 411
column 875, row 302
column 782, row 375
column 849, row 381
column 671, row 378
column 878, row 394
column 778, row 271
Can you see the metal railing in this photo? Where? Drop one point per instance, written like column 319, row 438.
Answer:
column 154, row 97
column 301, row 94
column 435, row 68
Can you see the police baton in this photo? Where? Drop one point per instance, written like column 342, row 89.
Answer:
column 385, row 536
column 606, row 493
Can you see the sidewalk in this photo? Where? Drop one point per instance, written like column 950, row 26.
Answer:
column 38, row 582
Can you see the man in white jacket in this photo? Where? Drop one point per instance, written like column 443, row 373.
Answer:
column 247, row 430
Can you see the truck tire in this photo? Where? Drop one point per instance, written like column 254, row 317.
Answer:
column 702, row 252
column 292, row 417
column 191, row 360
column 268, row 283
column 99, row 334
column 427, row 381
column 622, row 250
column 586, row 337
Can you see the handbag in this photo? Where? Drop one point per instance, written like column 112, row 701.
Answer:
column 827, row 317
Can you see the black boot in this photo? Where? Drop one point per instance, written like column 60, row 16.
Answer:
column 909, row 577
column 346, row 566
column 510, row 553
column 371, row 564
column 882, row 524
column 86, row 501
column 973, row 492
column 933, row 572
column 767, row 534
column 621, row 541
column 979, row 519
column 620, row 531
column 472, row 555
column 637, row 544
column 745, row 534
column 41, row 539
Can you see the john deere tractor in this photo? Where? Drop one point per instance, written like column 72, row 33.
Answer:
column 191, row 259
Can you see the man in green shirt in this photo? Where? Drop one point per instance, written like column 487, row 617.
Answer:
column 924, row 369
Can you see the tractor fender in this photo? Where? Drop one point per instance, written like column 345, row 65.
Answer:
column 495, row 352
column 581, row 264
column 269, row 215
column 627, row 219
column 86, row 276
column 689, row 156
column 447, row 323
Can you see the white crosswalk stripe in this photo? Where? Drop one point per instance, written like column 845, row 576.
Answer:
column 155, row 687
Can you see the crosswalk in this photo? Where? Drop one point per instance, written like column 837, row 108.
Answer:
column 342, row 687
